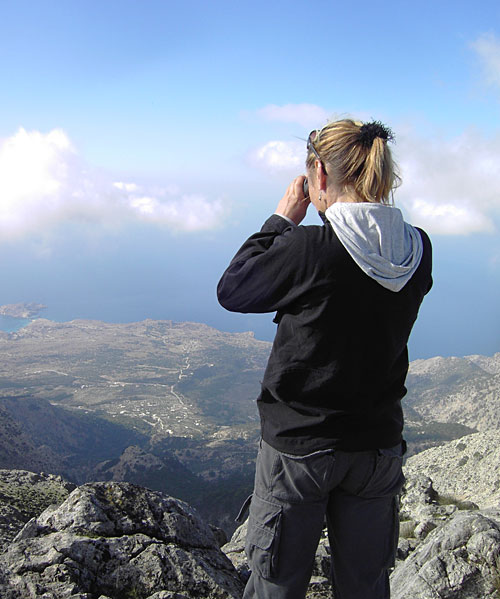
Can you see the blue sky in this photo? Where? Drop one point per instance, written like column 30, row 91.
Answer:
column 142, row 142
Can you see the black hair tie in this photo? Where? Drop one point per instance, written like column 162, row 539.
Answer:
column 370, row 131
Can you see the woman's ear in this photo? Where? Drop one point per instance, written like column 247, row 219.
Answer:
column 321, row 176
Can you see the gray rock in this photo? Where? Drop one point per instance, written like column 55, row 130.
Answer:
column 117, row 540
column 24, row 495
column 458, row 560
column 467, row 469
column 235, row 551
column 456, row 390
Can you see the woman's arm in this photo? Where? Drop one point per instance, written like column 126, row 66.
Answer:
column 263, row 275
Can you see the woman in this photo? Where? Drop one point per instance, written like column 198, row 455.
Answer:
column 346, row 295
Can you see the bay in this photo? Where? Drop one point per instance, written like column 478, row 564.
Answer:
column 8, row 324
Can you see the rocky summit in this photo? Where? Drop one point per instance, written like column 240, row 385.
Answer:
column 117, row 541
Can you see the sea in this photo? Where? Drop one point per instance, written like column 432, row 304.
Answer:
column 8, row 324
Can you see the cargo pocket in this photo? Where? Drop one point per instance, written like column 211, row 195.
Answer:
column 262, row 539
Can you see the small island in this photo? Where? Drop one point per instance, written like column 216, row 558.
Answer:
column 22, row 310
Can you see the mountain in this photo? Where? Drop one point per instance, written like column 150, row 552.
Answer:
column 456, row 390
column 143, row 402
column 214, row 475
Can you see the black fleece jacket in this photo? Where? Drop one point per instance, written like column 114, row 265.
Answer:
column 335, row 377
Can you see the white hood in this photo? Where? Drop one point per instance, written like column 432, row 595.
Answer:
column 381, row 243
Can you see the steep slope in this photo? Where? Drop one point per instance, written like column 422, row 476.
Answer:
column 35, row 435
column 456, row 390
column 465, row 469
column 24, row 495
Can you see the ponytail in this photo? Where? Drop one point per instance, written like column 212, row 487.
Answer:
column 357, row 155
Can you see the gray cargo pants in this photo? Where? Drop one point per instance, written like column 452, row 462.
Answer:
column 356, row 491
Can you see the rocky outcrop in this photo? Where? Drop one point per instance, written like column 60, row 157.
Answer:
column 423, row 510
column 24, row 495
column 117, row 540
column 467, row 469
column 120, row 541
column 460, row 560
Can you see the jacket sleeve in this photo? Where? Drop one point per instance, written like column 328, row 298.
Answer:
column 267, row 272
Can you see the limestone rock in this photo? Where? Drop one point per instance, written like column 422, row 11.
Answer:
column 420, row 502
column 458, row 559
column 117, row 540
column 24, row 495
column 235, row 551
column 467, row 469
column 456, row 390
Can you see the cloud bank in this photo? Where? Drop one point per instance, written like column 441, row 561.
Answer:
column 45, row 184
column 451, row 187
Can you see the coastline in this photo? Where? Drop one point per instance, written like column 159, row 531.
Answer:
column 10, row 324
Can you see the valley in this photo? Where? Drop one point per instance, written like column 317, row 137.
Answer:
column 171, row 406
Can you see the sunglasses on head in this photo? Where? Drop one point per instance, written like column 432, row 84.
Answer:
column 313, row 136
column 310, row 143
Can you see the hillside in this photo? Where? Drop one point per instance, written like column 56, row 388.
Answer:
column 467, row 469
column 171, row 406
column 456, row 390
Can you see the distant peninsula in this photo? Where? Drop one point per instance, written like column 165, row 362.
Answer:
column 22, row 310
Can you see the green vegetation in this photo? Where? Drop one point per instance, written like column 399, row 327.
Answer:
column 423, row 435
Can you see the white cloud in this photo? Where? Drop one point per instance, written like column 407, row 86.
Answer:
column 280, row 155
column 487, row 47
column 451, row 186
column 45, row 184
column 126, row 186
column 449, row 219
column 306, row 115
column 187, row 213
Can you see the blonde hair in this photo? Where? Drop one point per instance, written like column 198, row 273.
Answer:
column 357, row 155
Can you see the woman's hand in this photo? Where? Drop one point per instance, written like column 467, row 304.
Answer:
column 293, row 204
